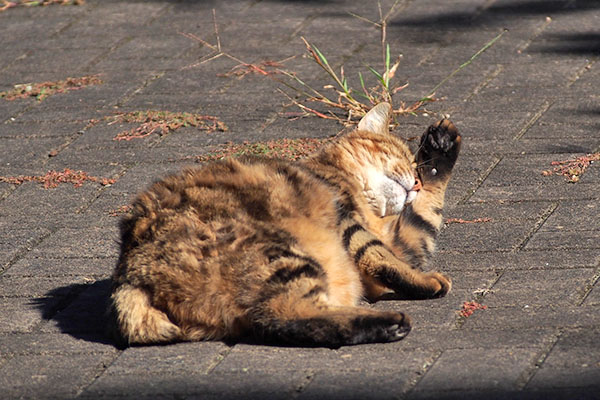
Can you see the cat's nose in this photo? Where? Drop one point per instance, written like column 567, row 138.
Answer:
column 417, row 185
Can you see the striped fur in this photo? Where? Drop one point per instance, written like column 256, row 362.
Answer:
column 282, row 251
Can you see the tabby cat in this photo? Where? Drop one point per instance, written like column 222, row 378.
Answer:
column 282, row 251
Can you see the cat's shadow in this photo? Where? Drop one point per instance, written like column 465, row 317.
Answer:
column 78, row 310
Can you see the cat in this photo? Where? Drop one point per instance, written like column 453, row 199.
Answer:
column 282, row 252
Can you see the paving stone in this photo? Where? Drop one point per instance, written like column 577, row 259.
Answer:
column 60, row 267
column 62, row 200
column 198, row 358
column 573, row 362
column 19, row 286
column 29, row 152
column 267, row 358
column 526, row 316
column 388, row 383
column 593, row 299
column 68, row 243
column 67, row 61
column 102, row 135
column 41, row 113
column 539, row 287
column 426, row 315
column 553, row 129
column 574, row 216
column 108, row 208
column 481, row 369
column 50, row 376
column 493, row 394
column 561, row 240
column 457, row 338
column 558, row 145
column 470, row 280
column 466, row 172
column 190, row 384
column 21, row 240
column 591, row 175
column 185, row 369
column 10, row 110
column 556, row 191
column 21, row 315
column 106, row 156
column 524, row 170
column 498, row 211
column 48, row 344
column 487, row 236
column 84, row 104
column 41, row 129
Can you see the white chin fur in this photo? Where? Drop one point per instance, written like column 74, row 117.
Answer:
column 411, row 196
column 395, row 196
column 387, row 196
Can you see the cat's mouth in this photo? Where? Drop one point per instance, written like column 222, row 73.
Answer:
column 394, row 192
column 405, row 191
column 389, row 193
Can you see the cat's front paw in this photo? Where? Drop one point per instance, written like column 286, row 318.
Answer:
column 438, row 150
column 439, row 284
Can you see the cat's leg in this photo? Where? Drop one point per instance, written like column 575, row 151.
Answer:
column 334, row 327
column 133, row 320
column 412, row 234
column 294, row 308
column 416, row 228
column 383, row 270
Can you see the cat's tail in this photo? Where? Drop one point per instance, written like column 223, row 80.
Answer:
column 335, row 327
column 133, row 319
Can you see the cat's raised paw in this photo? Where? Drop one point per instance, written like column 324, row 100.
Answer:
column 439, row 149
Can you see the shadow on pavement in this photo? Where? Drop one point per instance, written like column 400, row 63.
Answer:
column 580, row 43
column 433, row 28
column 81, row 313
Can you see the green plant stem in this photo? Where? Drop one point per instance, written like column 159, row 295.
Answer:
column 463, row 65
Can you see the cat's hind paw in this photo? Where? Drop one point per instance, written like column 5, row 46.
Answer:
column 380, row 328
column 439, row 283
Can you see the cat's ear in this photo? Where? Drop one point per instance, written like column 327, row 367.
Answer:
column 377, row 119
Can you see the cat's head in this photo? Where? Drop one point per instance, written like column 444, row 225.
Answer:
column 386, row 168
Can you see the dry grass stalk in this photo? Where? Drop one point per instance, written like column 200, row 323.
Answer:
column 347, row 105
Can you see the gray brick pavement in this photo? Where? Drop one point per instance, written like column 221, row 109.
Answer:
column 534, row 261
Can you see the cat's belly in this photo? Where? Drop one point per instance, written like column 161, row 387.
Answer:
column 324, row 245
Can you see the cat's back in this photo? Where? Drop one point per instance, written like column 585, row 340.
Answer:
column 249, row 191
